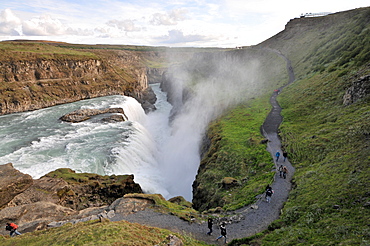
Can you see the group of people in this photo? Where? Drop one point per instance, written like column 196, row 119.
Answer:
column 283, row 170
column 222, row 229
column 277, row 155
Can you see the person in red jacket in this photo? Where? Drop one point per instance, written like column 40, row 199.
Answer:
column 13, row 229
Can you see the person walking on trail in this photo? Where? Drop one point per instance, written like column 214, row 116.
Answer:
column 277, row 156
column 13, row 229
column 269, row 192
column 223, row 231
column 210, row 225
column 285, row 155
column 285, row 171
column 280, row 169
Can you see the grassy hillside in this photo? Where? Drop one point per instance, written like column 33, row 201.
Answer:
column 328, row 141
column 96, row 233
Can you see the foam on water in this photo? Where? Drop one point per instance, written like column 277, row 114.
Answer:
column 38, row 142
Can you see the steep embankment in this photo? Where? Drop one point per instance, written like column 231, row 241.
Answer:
column 35, row 75
column 325, row 130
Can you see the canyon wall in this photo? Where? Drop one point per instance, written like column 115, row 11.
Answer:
column 32, row 81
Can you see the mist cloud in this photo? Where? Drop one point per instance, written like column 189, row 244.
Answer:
column 212, row 83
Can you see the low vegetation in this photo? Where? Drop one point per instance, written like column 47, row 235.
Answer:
column 96, row 233
column 236, row 151
column 177, row 206
column 28, row 51
column 328, row 143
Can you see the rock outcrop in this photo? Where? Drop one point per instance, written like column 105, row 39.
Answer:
column 32, row 80
column 85, row 114
column 12, row 183
column 61, row 195
column 360, row 89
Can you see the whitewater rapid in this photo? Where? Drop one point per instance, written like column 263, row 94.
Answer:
column 38, row 142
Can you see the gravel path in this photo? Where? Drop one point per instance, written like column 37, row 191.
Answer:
column 256, row 217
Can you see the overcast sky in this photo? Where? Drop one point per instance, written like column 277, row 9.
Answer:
column 197, row 23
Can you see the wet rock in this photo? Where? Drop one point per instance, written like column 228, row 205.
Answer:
column 113, row 119
column 85, row 114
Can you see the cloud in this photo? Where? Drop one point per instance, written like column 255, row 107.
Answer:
column 170, row 18
column 125, row 25
column 8, row 23
column 45, row 25
column 178, row 37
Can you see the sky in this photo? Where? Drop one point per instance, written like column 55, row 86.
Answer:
column 172, row 23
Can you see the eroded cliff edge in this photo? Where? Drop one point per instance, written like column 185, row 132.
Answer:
column 36, row 75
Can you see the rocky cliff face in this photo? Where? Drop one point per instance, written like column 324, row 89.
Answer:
column 56, row 196
column 33, row 82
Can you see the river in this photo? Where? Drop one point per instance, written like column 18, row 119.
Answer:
column 37, row 142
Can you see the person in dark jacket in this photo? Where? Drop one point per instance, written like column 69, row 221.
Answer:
column 285, row 155
column 13, row 229
column 210, row 225
column 268, row 195
column 223, row 231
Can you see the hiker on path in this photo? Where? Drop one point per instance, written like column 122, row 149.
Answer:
column 285, row 171
column 269, row 193
column 277, row 156
column 210, row 225
column 280, row 169
column 223, row 231
column 13, row 229
column 285, row 155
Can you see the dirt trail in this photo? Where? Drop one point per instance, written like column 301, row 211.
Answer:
column 256, row 217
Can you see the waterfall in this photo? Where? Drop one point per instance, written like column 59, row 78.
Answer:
column 38, row 142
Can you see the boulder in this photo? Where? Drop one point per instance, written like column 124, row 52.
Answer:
column 12, row 183
column 85, row 114
column 130, row 205
column 180, row 201
column 229, row 182
column 33, row 216
column 360, row 89
column 86, row 190
column 63, row 195
column 45, row 189
column 113, row 118
column 173, row 240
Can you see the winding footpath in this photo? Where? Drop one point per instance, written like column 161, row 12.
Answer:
column 256, row 217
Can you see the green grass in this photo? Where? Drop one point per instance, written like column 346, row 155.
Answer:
column 182, row 209
column 329, row 147
column 96, row 233
column 77, row 178
column 11, row 50
column 236, row 151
